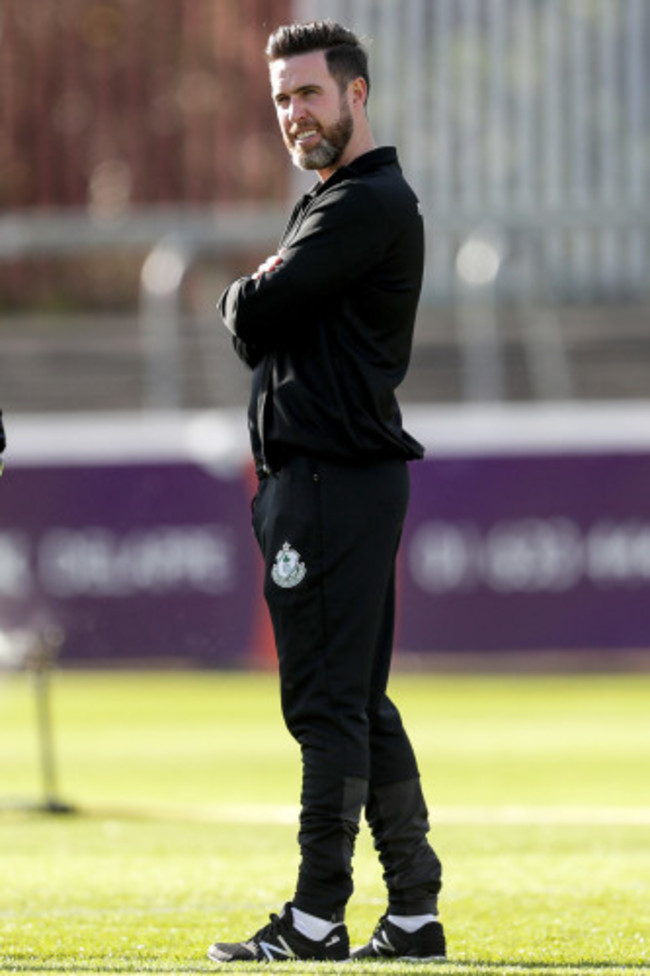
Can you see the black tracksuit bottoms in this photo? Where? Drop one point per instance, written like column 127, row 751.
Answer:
column 329, row 534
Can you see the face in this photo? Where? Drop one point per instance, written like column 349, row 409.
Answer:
column 314, row 115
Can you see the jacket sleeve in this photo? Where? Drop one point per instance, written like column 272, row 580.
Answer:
column 248, row 354
column 341, row 238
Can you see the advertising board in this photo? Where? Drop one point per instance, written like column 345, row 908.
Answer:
column 529, row 529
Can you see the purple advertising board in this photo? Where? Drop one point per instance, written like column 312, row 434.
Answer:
column 529, row 529
column 519, row 553
column 128, row 538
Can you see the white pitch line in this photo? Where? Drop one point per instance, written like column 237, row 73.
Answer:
column 541, row 815
column 262, row 813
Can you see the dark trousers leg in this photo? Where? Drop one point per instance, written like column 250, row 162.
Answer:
column 395, row 808
column 329, row 535
column 397, row 815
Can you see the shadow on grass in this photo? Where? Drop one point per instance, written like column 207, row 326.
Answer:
column 35, row 811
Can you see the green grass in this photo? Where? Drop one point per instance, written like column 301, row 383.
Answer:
column 185, row 786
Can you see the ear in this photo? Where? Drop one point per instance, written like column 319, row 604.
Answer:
column 358, row 91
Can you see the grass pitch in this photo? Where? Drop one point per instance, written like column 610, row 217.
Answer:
column 185, row 788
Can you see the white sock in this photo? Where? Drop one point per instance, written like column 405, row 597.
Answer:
column 411, row 923
column 310, row 925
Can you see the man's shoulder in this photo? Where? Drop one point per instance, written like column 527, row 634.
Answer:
column 368, row 197
column 380, row 170
column 390, row 194
column 375, row 179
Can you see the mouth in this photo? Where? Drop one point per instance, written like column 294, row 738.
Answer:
column 304, row 137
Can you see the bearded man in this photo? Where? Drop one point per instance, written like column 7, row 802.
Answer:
column 326, row 325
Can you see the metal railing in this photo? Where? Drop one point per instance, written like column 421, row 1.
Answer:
column 489, row 262
column 174, row 239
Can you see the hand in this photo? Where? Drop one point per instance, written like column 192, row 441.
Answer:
column 270, row 264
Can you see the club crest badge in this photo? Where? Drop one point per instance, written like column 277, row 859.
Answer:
column 287, row 569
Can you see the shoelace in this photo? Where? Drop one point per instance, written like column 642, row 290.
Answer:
column 270, row 929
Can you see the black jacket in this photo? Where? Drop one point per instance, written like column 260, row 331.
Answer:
column 328, row 333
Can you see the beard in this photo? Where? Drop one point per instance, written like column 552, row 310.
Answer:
column 334, row 139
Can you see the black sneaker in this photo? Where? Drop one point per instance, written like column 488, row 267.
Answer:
column 279, row 940
column 388, row 941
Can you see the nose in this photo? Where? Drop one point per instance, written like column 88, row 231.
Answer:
column 296, row 109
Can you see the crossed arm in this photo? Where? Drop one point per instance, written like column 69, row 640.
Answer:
column 341, row 238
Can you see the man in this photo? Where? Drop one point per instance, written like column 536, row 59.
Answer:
column 326, row 325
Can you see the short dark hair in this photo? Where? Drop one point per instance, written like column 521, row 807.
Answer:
column 346, row 56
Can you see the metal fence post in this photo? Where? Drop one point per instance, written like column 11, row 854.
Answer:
column 478, row 262
column 161, row 282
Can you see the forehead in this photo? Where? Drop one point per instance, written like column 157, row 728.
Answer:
column 290, row 74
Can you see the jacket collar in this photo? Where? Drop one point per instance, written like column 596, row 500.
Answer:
column 381, row 156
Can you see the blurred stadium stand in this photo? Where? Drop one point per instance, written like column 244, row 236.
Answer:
column 523, row 124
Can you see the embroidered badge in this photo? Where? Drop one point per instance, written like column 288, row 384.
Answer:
column 288, row 570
